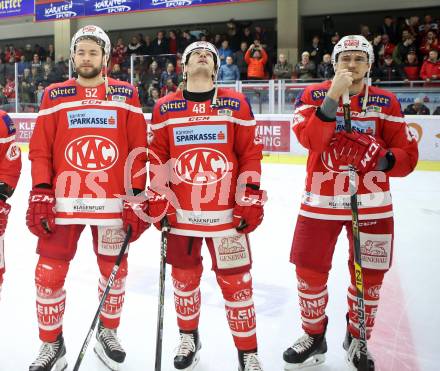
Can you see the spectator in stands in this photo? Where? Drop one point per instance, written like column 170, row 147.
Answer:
column 117, row 73
column 239, row 60
column 411, row 66
column 225, row 51
column 305, row 69
column 62, row 68
column 49, row 76
column 51, row 52
column 9, row 89
column 173, row 42
column 36, row 62
column 27, row 76
column 247, row 37
column 169, row 87
column 437, row 111
column 134, row 47
column 389, row 28
column 233, row 36
column 152, row 76
column 316, row 50
column 430, row 42
column 385, row 48
column 333, row 41
column 37, row 76
column 152, row 99
column 38, row 49
column 282, row 70
column 11, row 52
column 48, row 62
column 39, row 93
column 402, row 48
column 3, row 98
column 22, row 65
column 160, row 44
column 325, row 68
column 365, row 32
column 256, row 58
column 412, row 25
column 119, row 52
column 417, row 108
column 28, row 53
column 428, row 25
column 185, row 40
column 389, row 71
column 146, row 45
column 2, row 73
column 10, row 68
column 229, row 71
column 169, row 73
column 431, row 67
column 25, row 92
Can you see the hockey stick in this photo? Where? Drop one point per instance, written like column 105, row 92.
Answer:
column 363, row 359
column 110, row 283
column 161, row 303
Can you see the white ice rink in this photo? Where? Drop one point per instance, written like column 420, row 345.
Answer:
column 408, row 321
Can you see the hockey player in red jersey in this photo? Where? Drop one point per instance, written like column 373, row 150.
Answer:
column 85, row 130
column 10, row 167
column 379, row 147
column 206, row 138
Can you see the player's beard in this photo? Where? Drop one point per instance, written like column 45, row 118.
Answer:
column 90, row 74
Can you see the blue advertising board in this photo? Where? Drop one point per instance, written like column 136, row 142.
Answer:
column 52, row 10
column 16, row 8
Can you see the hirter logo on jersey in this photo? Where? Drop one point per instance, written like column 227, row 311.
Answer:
column 66, row 91
column 93, row 118
column 173, row 106
column 91, row 153
column 201, row 166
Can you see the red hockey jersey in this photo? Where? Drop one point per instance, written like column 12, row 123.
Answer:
column 326, row 194
column 205, row 152
column 10, row 155
column 80, row 145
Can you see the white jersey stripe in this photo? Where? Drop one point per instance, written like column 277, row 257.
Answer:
column 316, row 320
column 195, row 119
column 187, row 318
column 7, row 139
column 312, row 296
column 312, row 215
column 85, row 103
column 239, row 304
column 244, row 334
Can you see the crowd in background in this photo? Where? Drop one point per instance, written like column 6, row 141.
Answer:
column 405, row 50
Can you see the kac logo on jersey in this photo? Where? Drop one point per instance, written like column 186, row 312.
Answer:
column 65, row 91
column 201, row 166
column 173, row 106
column 93, row 118
column 200, row 134
column 91, row 153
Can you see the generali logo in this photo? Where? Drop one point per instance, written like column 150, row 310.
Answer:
column 91, row 153
column 201, row 166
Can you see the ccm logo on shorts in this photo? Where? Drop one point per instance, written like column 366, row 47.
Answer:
column 375, row 250
column 232, row 251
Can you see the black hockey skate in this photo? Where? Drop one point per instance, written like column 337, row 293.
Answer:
column 187, row 354
column 351, row 345
column 307, row 351
column 51, row 357
column 248, row 361
column 108, row 347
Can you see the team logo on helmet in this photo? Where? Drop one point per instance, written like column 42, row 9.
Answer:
column 353, row 43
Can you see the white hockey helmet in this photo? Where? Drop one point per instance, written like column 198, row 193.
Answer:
column 94, row 33
column 353, row 43
column 204, row 45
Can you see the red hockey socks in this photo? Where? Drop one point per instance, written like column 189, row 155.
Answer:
column 313, row 298
column 187, row 297
column 50, row 275
column 111, row 311
column 240, row 311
